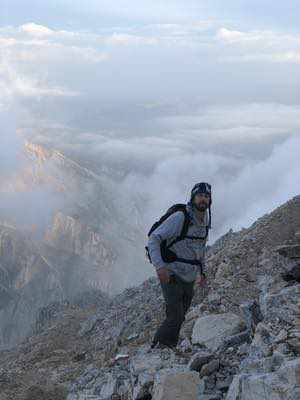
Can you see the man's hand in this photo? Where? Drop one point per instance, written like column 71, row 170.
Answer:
column 201, row 281
column 163, row 274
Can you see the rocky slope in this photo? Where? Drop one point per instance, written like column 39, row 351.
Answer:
column 240, row 339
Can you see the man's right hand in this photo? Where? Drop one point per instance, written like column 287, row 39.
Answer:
column 201, row 280
column 163, row 274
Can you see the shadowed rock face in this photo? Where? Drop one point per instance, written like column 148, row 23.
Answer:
column 34, row 275
column 99, row 348
column 28, row 281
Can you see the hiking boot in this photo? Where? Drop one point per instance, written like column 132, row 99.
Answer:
column 161, row 346
column 175, row 349
column 166, row 346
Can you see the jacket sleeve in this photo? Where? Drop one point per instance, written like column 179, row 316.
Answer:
column 170, row 228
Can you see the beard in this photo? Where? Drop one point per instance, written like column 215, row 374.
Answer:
column 201, row 206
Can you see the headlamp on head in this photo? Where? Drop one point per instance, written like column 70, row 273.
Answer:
column 202, row 187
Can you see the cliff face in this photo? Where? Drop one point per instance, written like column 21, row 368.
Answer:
column 28, row 282
column 239, row 341
column 67, row 235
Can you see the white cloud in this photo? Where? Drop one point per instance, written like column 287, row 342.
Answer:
column 14, row 84
column 88, row 54
column 290, row 57
column 30, row 88
column 248, row 123
column 28, row 62
column 268, row 37
column 127, row 39
column 261, row 187
column 230, row 35
column 260, row 46
column 35, row 29
column 7, row 42
column 44, row 32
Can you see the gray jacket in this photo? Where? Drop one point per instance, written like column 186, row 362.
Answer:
column 187, row 248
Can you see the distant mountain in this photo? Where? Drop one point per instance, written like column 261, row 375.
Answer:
column 79, row 238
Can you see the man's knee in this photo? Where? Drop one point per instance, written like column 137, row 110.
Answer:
column 175, row 313
column 187, row 299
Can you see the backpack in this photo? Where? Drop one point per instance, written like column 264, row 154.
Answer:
column 167, row 254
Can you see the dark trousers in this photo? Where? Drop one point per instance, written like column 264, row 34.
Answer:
column 178, row 296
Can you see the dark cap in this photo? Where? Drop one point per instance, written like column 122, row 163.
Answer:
column 202, row 187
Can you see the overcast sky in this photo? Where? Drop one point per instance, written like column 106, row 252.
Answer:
column 172, row 92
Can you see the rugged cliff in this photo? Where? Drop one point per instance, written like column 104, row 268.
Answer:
column 240, row 339
column 60, row 236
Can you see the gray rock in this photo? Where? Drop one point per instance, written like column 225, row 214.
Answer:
column 224, row 384
column 199, row 359
column 263, row 339
column 297, row 235
column 279, row 385
column 143, row 386
column 194, row 312
column 149, row 363
column 88, row 325
column 252, row 314
column 132, row 336
column 236, row 339
column 290, row 251
column 281, row 337
column 294, row 344
column 212, row 330
column 211, row 397
column 283, row 303
column 293, row 269
column 210, row 368
column 106, row 387
column 171, row 385
column 243, row 349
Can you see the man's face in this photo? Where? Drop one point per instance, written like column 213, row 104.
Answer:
column 201, row 201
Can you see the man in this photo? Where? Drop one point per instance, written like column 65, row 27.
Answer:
column 177, row 278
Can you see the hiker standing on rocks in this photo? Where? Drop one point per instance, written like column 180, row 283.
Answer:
column 176, row 248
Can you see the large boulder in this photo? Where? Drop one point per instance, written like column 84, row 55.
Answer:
column 172, row 385
column 290, row 251
column 281, row 304
column 149, row 363
column 212, row 330
column 282, row 384
column 293, row 270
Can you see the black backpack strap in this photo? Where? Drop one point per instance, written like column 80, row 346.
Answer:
column 185, row 227
column 171, row 210
column 192, row 262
